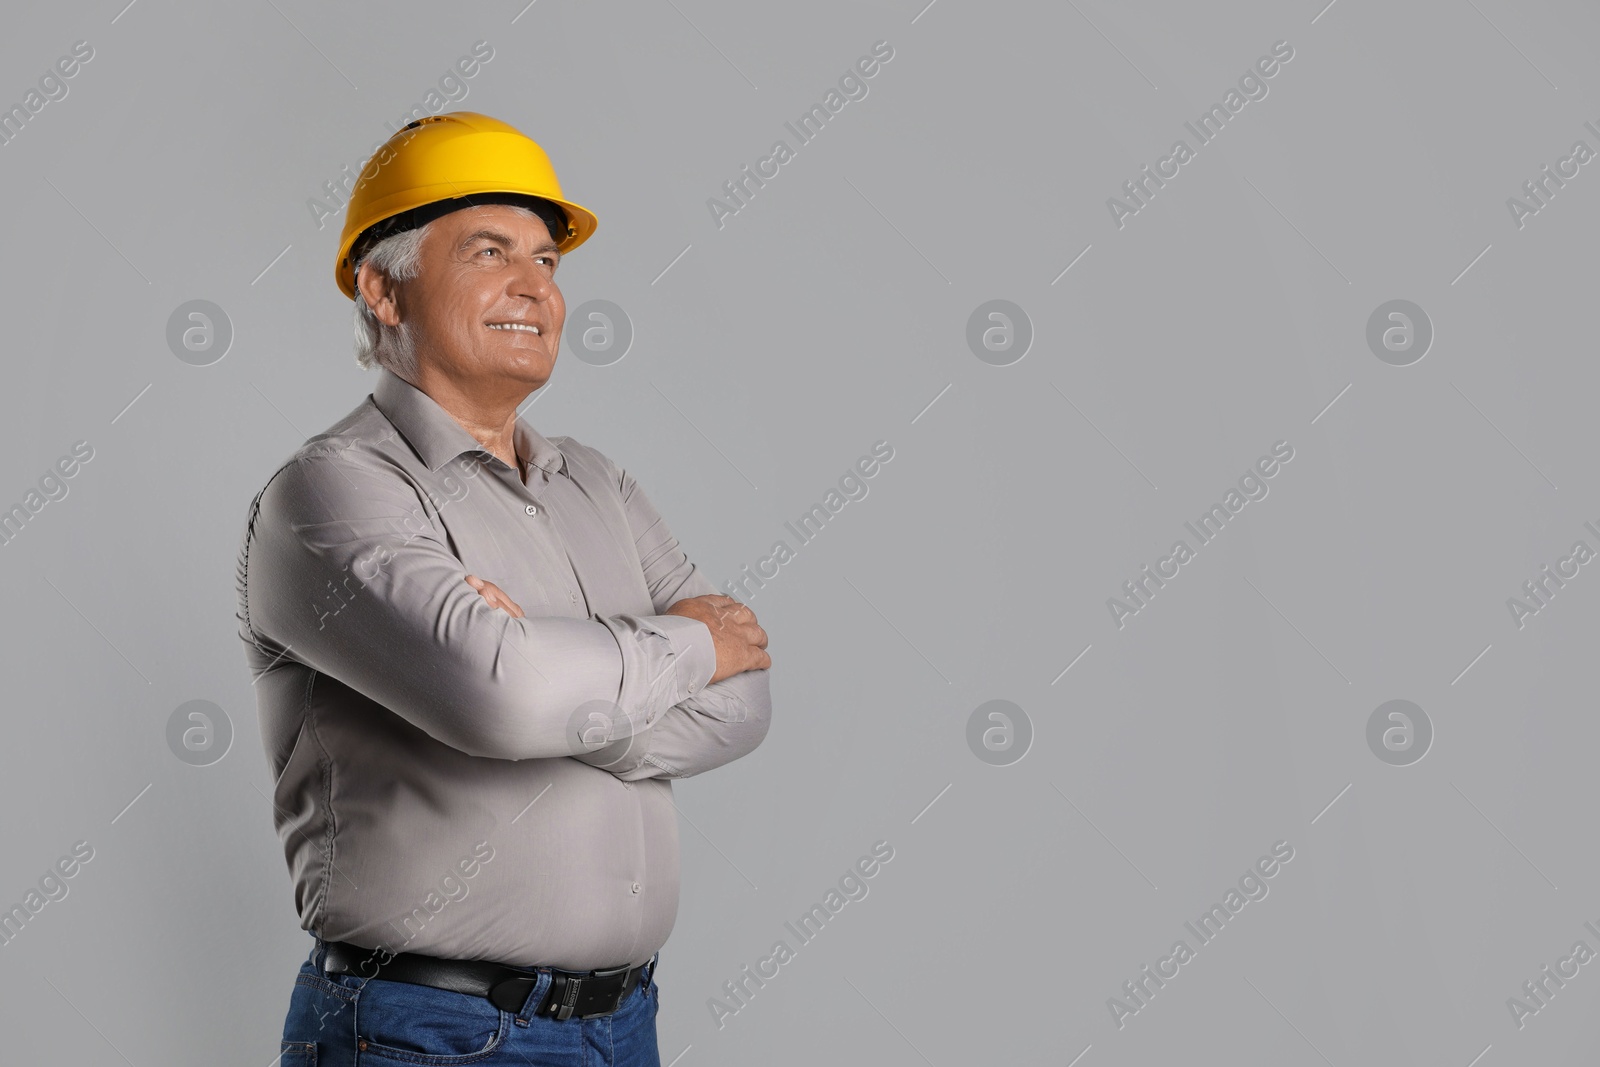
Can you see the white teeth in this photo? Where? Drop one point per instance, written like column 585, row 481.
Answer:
column 512, row 326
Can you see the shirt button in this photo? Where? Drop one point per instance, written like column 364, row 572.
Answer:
column 636, row 887
column 532, row 510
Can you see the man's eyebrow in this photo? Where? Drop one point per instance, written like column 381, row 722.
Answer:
column 503, row 239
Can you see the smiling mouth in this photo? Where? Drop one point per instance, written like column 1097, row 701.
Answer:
column 516, row 327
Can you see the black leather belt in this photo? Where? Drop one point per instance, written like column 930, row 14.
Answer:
column 584, row 994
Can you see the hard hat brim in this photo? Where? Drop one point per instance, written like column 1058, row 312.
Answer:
column 581, row 222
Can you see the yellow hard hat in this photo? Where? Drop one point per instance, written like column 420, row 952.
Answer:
column 444, row 162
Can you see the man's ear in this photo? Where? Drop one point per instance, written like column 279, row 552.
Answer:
column 380, row 292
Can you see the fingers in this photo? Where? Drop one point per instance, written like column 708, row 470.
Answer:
column 730, row 610
column 737, row 615
column 494, row 596
column 740, row 620
column 726, row 609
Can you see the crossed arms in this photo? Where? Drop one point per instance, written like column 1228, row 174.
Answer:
column 411, row 633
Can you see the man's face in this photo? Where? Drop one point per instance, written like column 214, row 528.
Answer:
column 488, row 273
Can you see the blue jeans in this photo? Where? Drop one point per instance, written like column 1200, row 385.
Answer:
column 341, row 1020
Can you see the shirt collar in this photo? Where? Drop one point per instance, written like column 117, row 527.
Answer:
column 437, row 437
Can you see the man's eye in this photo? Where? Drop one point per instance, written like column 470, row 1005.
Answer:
column 491, row 249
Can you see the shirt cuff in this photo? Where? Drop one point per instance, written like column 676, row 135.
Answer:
column 694, row 658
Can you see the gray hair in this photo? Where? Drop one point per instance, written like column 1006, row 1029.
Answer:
column 399, row 257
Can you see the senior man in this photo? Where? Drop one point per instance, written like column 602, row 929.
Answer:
column 481, row 657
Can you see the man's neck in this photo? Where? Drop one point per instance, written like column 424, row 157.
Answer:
column 489, row 416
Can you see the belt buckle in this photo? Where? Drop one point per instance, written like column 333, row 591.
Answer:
column 578, row 990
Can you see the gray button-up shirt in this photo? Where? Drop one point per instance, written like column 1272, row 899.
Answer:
column 449, row 779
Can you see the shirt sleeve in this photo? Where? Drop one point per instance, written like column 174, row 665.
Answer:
column 717, row 725
column 346, row 572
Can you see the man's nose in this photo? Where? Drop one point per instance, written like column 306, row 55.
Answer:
column 532, row 280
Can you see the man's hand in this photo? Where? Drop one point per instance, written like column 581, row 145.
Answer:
column 740, row 641
column 495, row 596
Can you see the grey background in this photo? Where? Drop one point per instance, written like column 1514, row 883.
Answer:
column 1229, row 314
